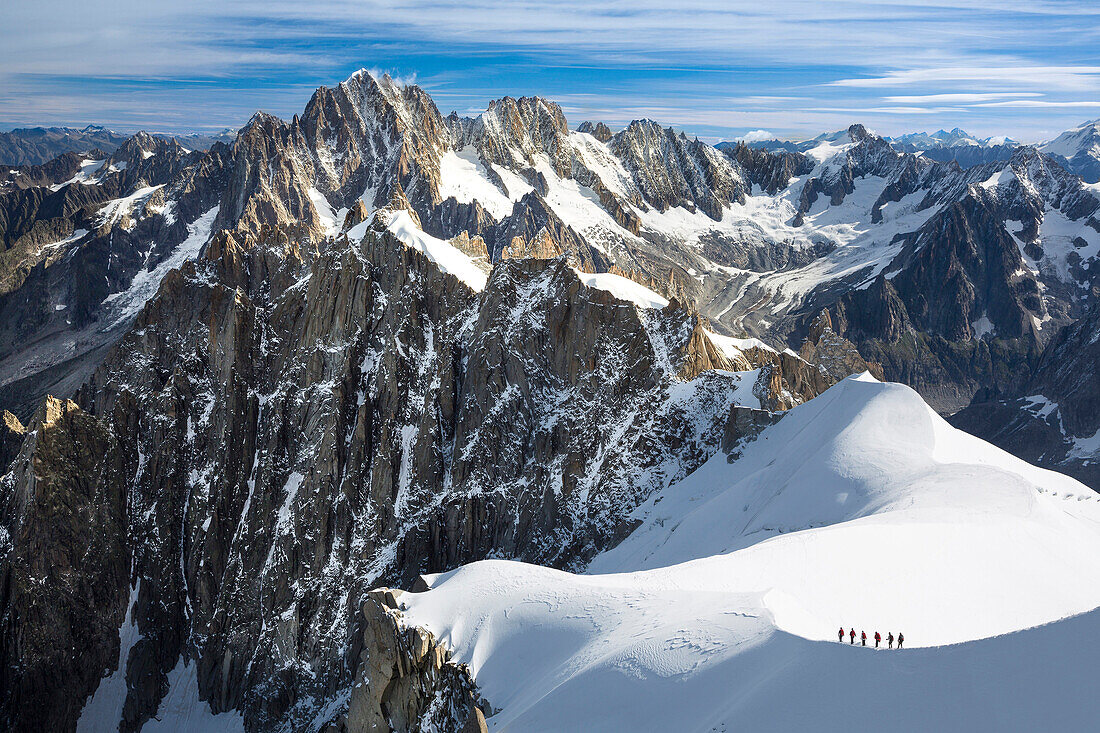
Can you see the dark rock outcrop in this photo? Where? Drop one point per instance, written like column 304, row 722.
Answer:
column 835, row 356
column 1052, row 418
column 405, row 681
column 960, row 277
column 598, row 130
column 64, row 568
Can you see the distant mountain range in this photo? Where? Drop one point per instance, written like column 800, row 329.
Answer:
column 917, row 141
column 37, row 145
column 1078, row 150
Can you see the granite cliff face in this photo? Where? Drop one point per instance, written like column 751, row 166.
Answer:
column 1053, row 417
column 285, row 435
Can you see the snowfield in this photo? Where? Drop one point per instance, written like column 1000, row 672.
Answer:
column 860, row 508
column 446, row 256
column 623, row 289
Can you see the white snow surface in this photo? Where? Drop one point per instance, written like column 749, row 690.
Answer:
column 181, row 709
column 1071, row 142
column 115, row 209
column 445, row 255
column 103, row 710
column 462, row 175
column 623, row 288
column 127, row 303
column 859, row 508
column 85, row 175
column 735, row 347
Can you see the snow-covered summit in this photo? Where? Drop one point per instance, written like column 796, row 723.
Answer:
column 956, row 137
column 1080, row 149
column 862, row 509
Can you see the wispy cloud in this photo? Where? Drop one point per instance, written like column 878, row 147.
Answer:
column 963, row 98
column 1038, row 103
column 1051, row 78
column 788, row 66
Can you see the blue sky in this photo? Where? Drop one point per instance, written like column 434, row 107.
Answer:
column 716, row 69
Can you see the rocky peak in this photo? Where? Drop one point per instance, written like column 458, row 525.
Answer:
column 771, row 171
column 367, row 134
column 269, row 180
column 858, row 133
column 533, row 229
column 514, row 132
column 834, row 355
column 671, row 170
column 869, row 155
column 398, row 203
column 598, row 130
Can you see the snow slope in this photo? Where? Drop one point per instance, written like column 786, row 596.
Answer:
column 862, row 508
column 463, row 176
column 1072, row 142
column 124, row 305
column 623, row 288
column 445, row 255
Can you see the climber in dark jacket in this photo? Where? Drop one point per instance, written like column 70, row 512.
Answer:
column 901, row 639
column 890, row 640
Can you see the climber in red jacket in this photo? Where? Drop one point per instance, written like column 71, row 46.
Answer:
column 878, row 638
column 840, row 635
column 863, row 638
column 853, row 637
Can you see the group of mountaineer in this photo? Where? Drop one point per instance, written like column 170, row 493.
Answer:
column 878, row 638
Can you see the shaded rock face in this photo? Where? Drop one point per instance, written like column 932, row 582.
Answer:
column 64, row 568
column 1053, row 417
column 771, row 171
column 534, row 230
column 12, row 434
column 960, row 275
column 671, row 170
column 288, row 434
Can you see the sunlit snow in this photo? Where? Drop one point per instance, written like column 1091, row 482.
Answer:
column 862, row 508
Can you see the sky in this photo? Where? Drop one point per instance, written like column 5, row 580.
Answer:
column 719, row 70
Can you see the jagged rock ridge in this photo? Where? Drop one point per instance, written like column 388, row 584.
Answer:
column 288, row 436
